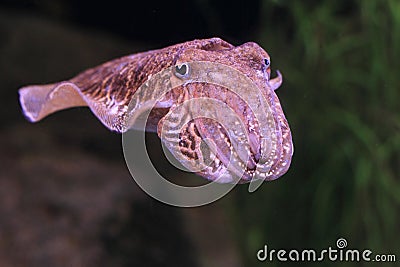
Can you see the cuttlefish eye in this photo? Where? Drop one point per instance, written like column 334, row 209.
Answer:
column 182, row 71
column 266, row 62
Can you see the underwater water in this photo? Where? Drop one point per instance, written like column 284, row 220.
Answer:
column 66, row 195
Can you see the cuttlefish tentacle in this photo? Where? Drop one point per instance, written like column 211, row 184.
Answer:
column 108, row 90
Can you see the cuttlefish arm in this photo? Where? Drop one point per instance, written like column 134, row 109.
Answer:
column 276, row 82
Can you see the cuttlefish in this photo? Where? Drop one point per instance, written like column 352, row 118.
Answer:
column 109, row 90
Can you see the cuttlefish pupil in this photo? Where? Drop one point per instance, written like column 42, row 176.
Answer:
column 248, row 132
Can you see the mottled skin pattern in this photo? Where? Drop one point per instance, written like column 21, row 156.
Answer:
column 108, row 89
column 249, row 59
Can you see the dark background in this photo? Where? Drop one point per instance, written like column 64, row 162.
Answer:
column 67, row 198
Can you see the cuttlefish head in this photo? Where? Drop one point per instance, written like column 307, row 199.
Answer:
column 249, row 58
column 238, row 80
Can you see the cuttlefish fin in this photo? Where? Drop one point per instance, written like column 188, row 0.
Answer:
column 39, row 101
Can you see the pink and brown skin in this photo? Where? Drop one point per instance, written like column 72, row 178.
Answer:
column 107, row 90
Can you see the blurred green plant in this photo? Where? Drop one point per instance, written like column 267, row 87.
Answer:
column 341, row 94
